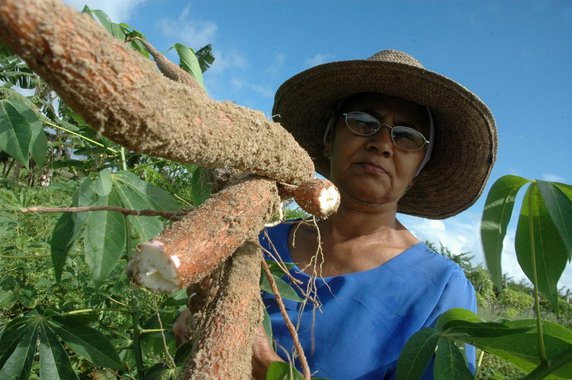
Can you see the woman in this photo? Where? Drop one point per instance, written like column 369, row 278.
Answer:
column 393, row 137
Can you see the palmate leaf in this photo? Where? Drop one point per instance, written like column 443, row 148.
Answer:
column 189, row 62
column 70, row 226
column 144, row 227
column 158, row 198
column 16, row 363
column 559, row 206
column 105, row 238
column 89, row 344
column 449, row 362
column 536, row 231
column 416, row 354
column 496, row 215
column 15, row 132
column 54, row 361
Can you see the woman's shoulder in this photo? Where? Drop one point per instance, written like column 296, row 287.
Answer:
column 426, row 263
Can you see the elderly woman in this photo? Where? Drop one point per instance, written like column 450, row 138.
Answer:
column 393, row 137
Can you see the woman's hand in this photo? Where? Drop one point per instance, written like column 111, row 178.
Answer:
column 262, row 354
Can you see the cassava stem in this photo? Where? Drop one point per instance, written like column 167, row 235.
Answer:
column 169, row 69
column 122, row 96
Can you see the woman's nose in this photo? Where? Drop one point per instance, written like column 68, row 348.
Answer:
column 381, row 141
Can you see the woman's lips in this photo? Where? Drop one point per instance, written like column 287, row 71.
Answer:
column 370, row 167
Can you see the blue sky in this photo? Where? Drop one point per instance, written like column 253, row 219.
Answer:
column 515, row 55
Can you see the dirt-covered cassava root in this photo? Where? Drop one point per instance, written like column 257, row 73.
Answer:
column 205, row 237
column 319, row 197
column 224, row 347
column 125, row 98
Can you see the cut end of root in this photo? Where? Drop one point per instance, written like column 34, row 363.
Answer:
column 329, row 200
column 153, row 269
column 319, row 197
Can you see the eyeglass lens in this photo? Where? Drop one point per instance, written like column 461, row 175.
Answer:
column 364, row 124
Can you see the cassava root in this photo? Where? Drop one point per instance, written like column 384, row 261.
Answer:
column 224, row 347
column 319, row 197
column 205, row 237
column 122, row 96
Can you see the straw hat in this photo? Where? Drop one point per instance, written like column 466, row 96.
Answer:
column 465, row 141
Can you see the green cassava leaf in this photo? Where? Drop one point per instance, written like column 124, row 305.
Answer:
column 496, row 215
column 416, row 354
column 38, row 143
column 61, row 242
column 54, row 361
column 205, row 57
column 450, row 362
column 522, row 350
column 144, row 227
column 559, row 207
column 89, row 344
column 455, row 315
column 158, row 198
column 15, row 132
column 16, row 363
column 267, row 325
column 548, row 328
column 38, row 140
column 286, row 291
column 282, row 371
column 200, row 186
column 542, row 255
column 70, row 226
column 189, row 62
column 103, row 183
column 113, row 28
column 105, row 238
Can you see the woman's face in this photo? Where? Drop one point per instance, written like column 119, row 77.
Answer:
column 371, row 169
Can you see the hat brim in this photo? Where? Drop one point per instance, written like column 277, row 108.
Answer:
column 465, row 142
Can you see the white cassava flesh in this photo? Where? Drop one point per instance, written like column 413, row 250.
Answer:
column 329, row 200
column 153, row 269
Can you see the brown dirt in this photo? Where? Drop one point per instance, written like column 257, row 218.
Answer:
column 122, row 96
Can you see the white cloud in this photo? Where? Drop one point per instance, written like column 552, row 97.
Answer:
column 118, row 11
column 318, row 59
column 193, row 33
column 462, row 234
column 225, row 60
column 240, row 84
column 277, row 64
column 553, row 178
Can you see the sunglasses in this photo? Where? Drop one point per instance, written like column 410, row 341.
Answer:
column 364, row 124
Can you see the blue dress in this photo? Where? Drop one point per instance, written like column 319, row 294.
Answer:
column 366, row 317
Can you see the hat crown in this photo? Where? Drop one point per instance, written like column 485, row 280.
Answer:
column 395, row 56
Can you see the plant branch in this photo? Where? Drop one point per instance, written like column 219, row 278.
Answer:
column 172, row 215
column 303, row 362
column 48, row 122
column 136, row 334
